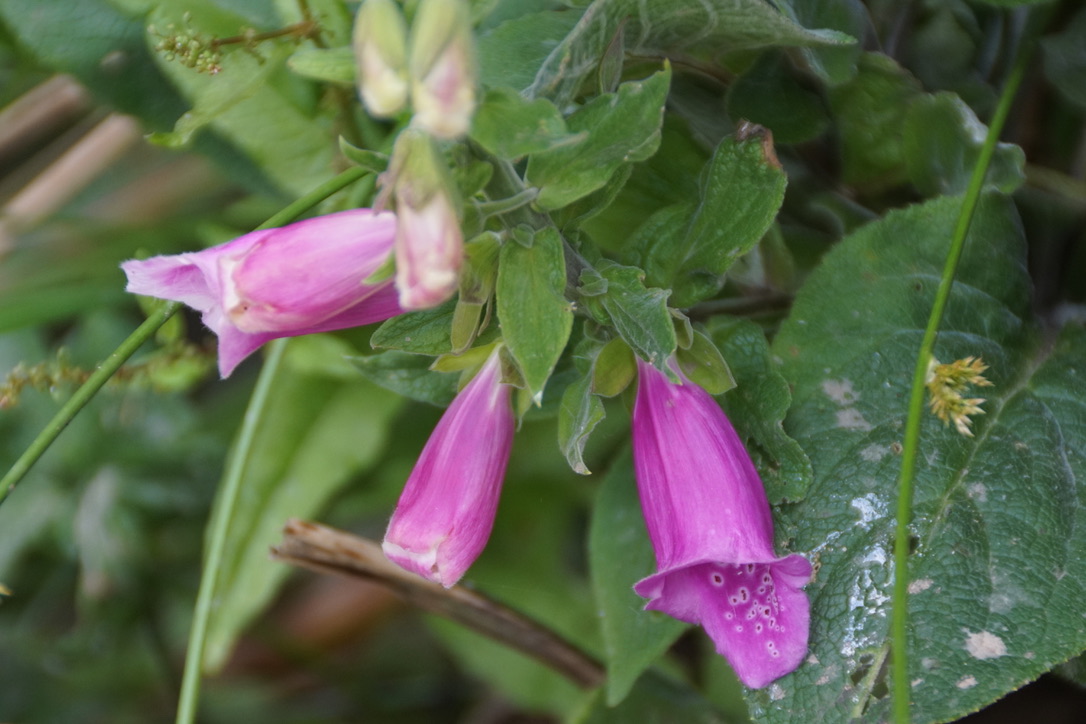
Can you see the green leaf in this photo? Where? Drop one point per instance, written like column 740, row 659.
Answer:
column 510, row 54
column 614, row 369
column 655, row 700
column 702, row 362
column 317, row 433
column 331, row 65
column 639, row 315
column 659, row 28
column 942, row 142
column 742, row 188
column 536, row 319
column 426, row 332
column 510, row 126
column 578, row 416
column 757, row 407
column 408, row 375
column 998, row 575
column 870, row 114
column 619, row 555
column 1065, row 60
column 250, row 102
column 834, row 64
column 771, row 95
column 619, row 128
column 101, row 47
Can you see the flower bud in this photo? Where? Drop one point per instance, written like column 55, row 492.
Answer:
column 299, row 279
column 447, row 509
column 380, row 49
column 429, row 243
column 443, row 73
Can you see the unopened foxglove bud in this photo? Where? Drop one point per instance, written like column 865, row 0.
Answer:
column 299, row 279
column 443, row 72
column 380, row 49
column 429, row 243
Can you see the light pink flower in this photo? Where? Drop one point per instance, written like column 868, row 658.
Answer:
column 710, row 525
column 299, row 279
column 447, row 509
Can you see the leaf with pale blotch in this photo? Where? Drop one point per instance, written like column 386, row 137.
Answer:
column 580, row 412
column 997, row 577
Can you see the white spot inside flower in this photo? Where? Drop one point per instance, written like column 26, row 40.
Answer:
column 919, row 585
column 852, row 419
column 978, row 492
column 985, row 645
column 874, row 452
column 840, row 391
column 966, row 682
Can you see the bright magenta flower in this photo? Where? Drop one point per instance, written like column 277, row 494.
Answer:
column 710, row 525
column 298, row 279
column 447, row 509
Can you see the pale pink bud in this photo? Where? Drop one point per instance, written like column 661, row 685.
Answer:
column 447, row 509
column 380, row 46
column 710, row 525
column 299, row 279
column 429, row 251
column 443, row 75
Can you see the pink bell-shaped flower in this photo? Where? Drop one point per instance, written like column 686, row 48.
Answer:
column 709, row 522
column 299, row 279
column 447, row 508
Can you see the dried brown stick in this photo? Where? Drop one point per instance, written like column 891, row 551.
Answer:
column 328, row 550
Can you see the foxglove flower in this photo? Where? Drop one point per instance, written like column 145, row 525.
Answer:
column 298, row 279
column 710, row 525
column 447, row 509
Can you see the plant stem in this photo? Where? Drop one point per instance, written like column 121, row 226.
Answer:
column 899, row 615
column 231, row 485
column 82, row 396
column 219, row 527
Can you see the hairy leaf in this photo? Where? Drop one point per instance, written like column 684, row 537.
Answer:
column 996, row 580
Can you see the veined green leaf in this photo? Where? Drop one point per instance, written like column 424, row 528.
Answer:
column 619, row 128
column 317, row 433
column 536, row 319
column 997, row 577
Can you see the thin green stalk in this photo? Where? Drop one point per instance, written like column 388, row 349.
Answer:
column 119, row 356
column 899, row 619
column 224, row 507
column 82, row 396
column 220, row 526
